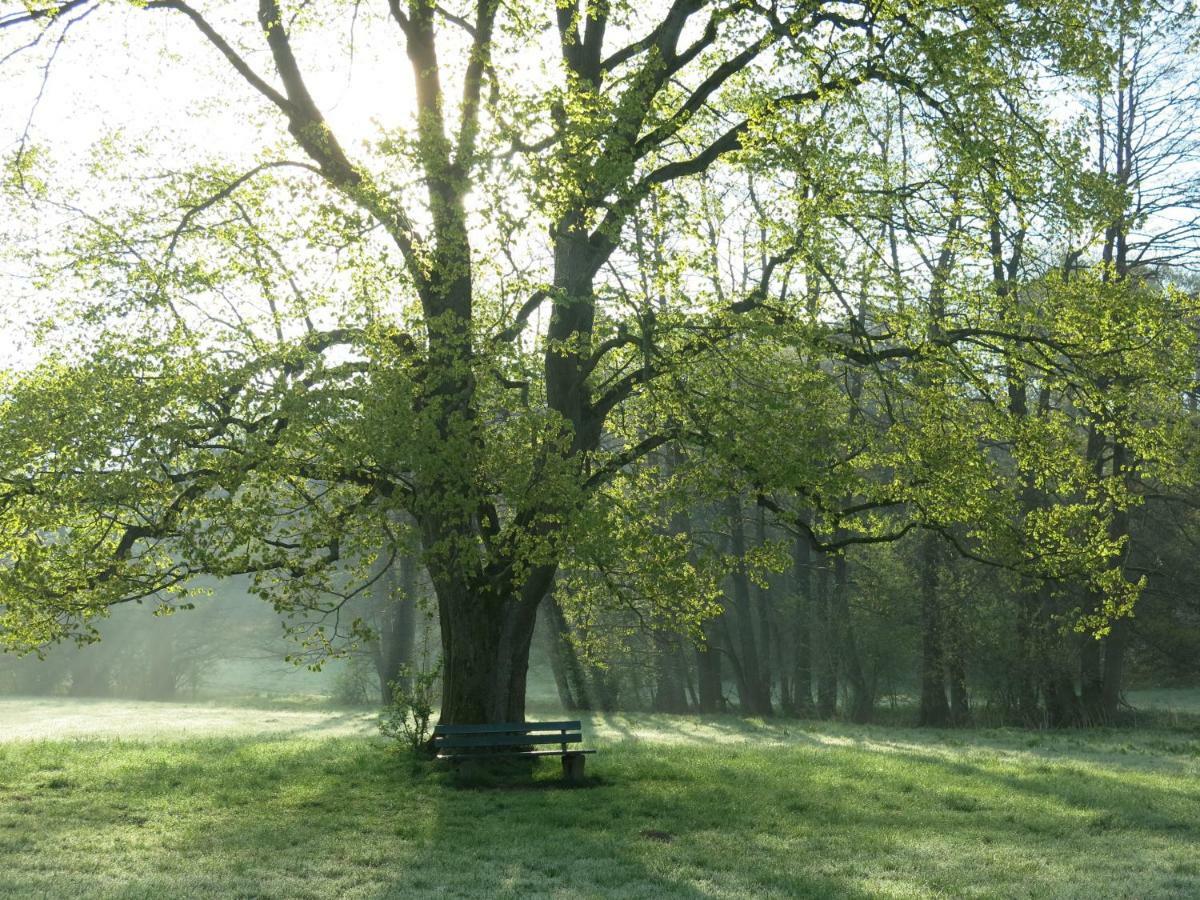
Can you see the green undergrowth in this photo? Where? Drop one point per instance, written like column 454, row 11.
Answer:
column 671, row 807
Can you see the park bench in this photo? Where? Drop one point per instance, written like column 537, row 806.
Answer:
column 466, row 742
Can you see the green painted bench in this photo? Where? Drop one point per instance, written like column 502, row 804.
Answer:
column 460, row 742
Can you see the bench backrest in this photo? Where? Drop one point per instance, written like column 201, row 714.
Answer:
column 506, row 734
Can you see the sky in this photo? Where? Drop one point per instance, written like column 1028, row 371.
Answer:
column 152, row 79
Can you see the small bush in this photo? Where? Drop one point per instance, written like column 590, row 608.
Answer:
column 405, row 721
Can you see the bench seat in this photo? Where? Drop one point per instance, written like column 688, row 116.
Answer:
column 465, row 742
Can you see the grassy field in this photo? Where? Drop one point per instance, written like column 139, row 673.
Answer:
column 672, row 808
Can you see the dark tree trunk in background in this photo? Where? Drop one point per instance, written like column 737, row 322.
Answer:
column 1091, row 673
column 397, row 593
column 754, row 696
column 670, row 694
column 1063, row 708
column 801, row 628
column 708, row 671
column 956, row 674
column 569, row 677
column 1117, row 640
column 827, row 656
column 1029, row 664
column 1091, row 680
column 954, row 645
column 934, row 710
column 862, row 694
column 1058, row 676
column 90, row 676
column 1115, row 646
column 764, row 615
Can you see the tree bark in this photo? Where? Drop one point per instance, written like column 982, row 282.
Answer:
column 801, row 628
column 754, row 700
column 670, row 694
column 934, row 710
column 862, row 696
column 569, row 677
column 397, row 592
column 486, row 638
column 827, row 655
column 1115, row 646
column 708, row 669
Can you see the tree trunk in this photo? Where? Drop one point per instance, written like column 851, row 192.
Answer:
column 670, row 676
column 569, row 677
column 934, row 711
column 764, row 616
column 486, row 637
column 1117, row 639
column 954, row 648
column 708, row 669
column 162, row 678
column 956, row 673
column 1091, row 680
column 89, row 674
column 862, row 696
column 754, row 700
column 827, row 668
column 801, row 630
column 398, row 623
column 1026, row 675
column 1063, row 708
column 1114, row 668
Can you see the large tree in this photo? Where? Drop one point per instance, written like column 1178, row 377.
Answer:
column 430, row 322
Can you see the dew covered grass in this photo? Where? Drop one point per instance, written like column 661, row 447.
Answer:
column 673, row 807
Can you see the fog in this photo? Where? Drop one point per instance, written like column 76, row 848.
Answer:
column 231, row 646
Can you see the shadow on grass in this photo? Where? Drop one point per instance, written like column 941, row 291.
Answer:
column 316, row 819
column 279, row 817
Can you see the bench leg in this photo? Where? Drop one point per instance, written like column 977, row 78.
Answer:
column 572, row 765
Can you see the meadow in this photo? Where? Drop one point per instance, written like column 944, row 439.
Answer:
column 281, row 803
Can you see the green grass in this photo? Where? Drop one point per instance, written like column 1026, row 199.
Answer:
column 673, row 808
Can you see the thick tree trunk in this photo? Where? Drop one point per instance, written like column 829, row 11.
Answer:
column 954, row 647
column 486, row 639
column 1026, row 674
column 1117, row 640
column 89, row 674
column 764, row 614
column 1063, row 708
column 163, row 679
column 956, row 674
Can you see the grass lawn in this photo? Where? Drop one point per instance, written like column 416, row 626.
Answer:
column 673, row 808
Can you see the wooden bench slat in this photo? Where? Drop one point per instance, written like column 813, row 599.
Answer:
column 506, row 728
column 505, row 740
column 488, row 756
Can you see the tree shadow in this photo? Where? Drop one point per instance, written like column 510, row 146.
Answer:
column 278, row 816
